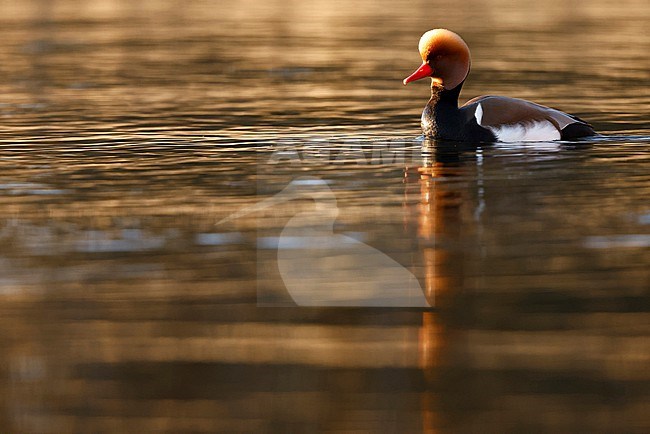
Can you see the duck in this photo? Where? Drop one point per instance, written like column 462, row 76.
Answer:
column 446, row 59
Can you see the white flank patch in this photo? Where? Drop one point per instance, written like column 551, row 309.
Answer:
column 540, row 131
column 537, row 131
column 478, row 114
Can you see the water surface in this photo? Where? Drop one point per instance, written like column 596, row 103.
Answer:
column 128, row 131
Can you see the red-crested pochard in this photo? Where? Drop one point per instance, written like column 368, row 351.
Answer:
column 447, row 61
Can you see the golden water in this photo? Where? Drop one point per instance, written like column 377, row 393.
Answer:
column 129, row 129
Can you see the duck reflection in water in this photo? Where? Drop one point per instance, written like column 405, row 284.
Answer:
column 439, row 224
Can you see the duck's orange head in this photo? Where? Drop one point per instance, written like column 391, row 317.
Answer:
column 445, row 58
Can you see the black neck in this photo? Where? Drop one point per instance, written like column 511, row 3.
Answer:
column 441, row 117
column 447, row 99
